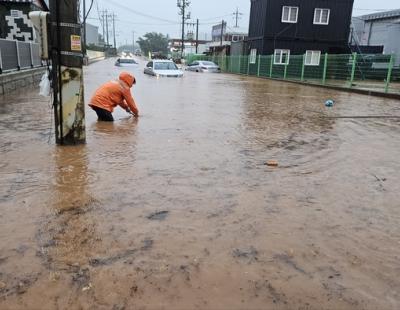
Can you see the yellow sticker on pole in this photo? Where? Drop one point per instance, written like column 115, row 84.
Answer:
column 76, row 44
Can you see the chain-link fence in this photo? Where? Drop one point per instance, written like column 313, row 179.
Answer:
column 378, row 73
column 17, row 55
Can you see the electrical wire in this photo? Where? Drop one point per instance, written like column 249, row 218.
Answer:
column 88, row 12
column 217, row 17
column 98, row 13
column 140, row 13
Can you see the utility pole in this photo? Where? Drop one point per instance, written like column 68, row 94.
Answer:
column 104, row 26
column 133, row 41
column 197, row 36
column 67, row 75
column 84, row 27
column 108, row 43
column 113, row 20
column 222, row 31
column 182, row 5
column 237, row 15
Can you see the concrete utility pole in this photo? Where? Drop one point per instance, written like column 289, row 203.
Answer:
column 103, row 24
column 67, row 76
column 182, row 5
column 197, row 36
column 108, row 42
column 237, row 15
column 133, row 41
column 222, row 31
column 115, row 41
column 84, row 27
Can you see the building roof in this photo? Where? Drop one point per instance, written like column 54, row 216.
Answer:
column 381, row 15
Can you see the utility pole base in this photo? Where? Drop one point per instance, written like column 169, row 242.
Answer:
column 73, row 107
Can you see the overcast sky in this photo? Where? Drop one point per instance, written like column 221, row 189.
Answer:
column 162, row 16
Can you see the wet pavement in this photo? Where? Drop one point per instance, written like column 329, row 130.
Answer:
column 178, row 209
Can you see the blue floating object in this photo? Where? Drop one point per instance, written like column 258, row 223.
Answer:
column 329, row 103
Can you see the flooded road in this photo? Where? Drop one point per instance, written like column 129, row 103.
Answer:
column 177, row 210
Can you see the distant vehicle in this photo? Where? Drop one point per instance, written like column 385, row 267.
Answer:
column 138, row 53
column 158, row 55
column 203, row 66
column 127, row 54
column 163, row 68
column 125, row 62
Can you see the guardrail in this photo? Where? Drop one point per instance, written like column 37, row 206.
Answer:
column 378, row 73
column 16, row 55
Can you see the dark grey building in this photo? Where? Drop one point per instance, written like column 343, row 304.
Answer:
column 296, row 27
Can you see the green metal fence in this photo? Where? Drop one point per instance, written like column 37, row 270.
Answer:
column 370, row 72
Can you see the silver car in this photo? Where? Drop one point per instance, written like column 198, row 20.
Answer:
column 203, row 66
column 163, row 68
column 125, row 62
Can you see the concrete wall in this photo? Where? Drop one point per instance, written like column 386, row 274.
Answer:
column 17, row 81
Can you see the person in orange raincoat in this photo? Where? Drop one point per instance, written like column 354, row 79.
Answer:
column 112, row 94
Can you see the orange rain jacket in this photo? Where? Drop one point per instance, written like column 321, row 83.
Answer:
column 114, row 93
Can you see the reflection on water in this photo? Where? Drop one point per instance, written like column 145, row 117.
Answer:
column 71, row 175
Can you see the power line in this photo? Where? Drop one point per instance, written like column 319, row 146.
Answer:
column 139, row 13
column 217, row 17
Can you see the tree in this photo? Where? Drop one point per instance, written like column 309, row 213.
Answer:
column 154, row 42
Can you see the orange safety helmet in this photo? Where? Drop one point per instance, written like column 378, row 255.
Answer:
column 127, row 78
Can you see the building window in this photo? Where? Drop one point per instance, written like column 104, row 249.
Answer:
column 289, row 14
column 312, row 58
column 253, row 56
column 321, row 16
column 281, row 57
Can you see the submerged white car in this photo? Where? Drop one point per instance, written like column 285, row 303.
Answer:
column 203, row 66
column 163, row 68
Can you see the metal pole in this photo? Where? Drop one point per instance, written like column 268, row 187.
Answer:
column 271, row 65
column 353, row 69
column 285, row 72
column 303, row 68
column 1, row 63
column 389, row 75
column 18, row 60
column 259, row 65
column 197, row 36
column 325, row 69
column 67, row 60
column 30, row 51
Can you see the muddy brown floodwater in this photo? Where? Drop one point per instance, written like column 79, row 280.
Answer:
column 178, row 210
